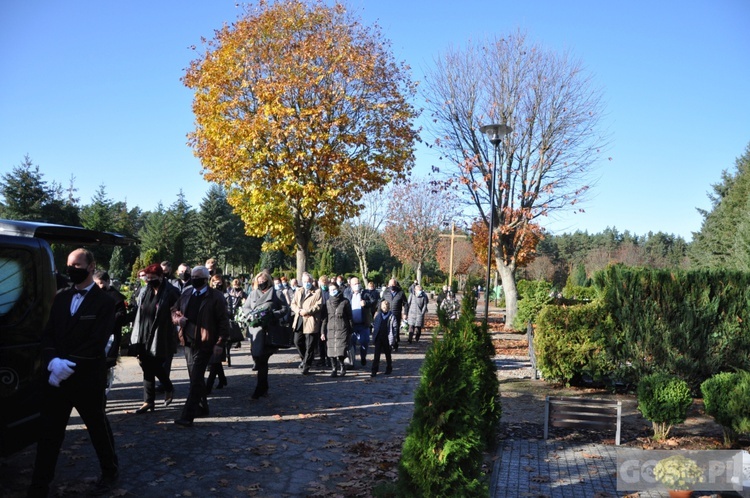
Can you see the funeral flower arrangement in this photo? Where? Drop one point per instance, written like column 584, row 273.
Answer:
column 678, row 472
column 259, row 317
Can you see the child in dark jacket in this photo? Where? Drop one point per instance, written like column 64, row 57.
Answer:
column 385, row 334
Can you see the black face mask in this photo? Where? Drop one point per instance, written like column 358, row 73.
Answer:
column 154, row 284
column 184, row 276
column 198, row 283
column 219, row 287
column 263, row 285
column 77, row 275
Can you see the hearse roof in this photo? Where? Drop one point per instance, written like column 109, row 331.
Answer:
column 63, row 234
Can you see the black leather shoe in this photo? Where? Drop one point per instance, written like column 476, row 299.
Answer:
column 305, row 371
column 184, row 422
column 105, row 485
column 221, row 384
column 145, row 407
column 258, row 394
column 168, row 398
column 388, row 371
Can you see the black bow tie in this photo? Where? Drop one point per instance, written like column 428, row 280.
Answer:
column 81, row 291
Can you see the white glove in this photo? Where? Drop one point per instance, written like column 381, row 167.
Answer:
column 61, row 369
column 54, row 380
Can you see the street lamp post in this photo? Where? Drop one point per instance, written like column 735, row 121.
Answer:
column 495, row 132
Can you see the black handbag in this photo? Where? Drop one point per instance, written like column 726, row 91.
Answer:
column 279, row 336
column 235, row 332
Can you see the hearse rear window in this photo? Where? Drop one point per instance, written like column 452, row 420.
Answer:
column 17, row 289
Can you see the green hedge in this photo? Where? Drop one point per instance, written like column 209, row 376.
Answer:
column 571, row 341
column 532, row 296
column 456, row 410
column 579, row 293
column 691, row 324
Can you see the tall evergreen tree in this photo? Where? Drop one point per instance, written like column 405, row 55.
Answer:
column 155, row 235
column 720, row 243
column 117, row 268
column 181, row 217
column 100, row 215
column 27, row 196
column 214, row 220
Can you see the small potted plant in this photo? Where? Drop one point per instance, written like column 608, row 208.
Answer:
column 678, row 474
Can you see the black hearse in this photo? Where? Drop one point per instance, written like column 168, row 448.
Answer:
column 28, row 283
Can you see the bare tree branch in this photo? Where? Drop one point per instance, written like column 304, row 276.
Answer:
column 549, row 102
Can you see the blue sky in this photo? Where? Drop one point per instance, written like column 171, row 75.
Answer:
column 92, row 89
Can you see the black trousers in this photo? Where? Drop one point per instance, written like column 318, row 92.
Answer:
column 415, row 330
column 306, row 345
column 300, row 344
column 153, row 368
column 322, row 347
column 261, row 362
column 216, row 369
column 197, row 361
column 86, row 395
column 381, row 346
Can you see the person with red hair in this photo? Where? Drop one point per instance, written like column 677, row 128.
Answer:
column 154, row 335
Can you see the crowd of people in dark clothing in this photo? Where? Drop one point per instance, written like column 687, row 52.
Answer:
column 330, row 322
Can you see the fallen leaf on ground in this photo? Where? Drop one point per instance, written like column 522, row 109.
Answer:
column 540, row 478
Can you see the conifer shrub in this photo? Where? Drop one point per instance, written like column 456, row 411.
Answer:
column 726, row 397
column 571, row 341
column 578, row 293
column 443, row 318
column 692, row 324
column 739, row 403
column 456, row 410
column 532, row 296
column 663, row 400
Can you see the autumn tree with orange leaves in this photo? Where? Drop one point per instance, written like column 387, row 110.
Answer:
column 550, row 104
column 464, row 257
column 417, row 212
column 300, row 110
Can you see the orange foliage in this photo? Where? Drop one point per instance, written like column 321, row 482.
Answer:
column 516, row 239
column 300, row 110
column 463, row 255
column 418, row 210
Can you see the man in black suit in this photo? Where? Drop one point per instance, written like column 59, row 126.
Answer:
column 73, row 343
column 201, row 314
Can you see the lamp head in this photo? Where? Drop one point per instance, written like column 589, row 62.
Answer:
column 495, row 132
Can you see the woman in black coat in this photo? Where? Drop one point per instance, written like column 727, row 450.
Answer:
column 263, row 298
column 154, row 335
column 339, row 328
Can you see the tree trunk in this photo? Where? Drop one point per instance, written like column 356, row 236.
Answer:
column 419, row 273
column 363, row 267
column 301, row 263
column 508, row 277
